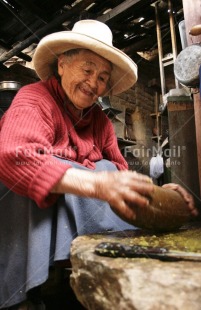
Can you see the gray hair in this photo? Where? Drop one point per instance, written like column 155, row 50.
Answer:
column 69, row 54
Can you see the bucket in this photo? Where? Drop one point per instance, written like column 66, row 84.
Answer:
column 8, row 90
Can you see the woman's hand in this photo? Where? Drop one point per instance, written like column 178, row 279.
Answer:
column 124, row 190
column 121, row 189
column 186, row 195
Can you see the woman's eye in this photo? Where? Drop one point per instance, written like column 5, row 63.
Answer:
column 102, row 79
column 87, row 71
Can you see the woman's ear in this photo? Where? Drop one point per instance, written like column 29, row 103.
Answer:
column 61, row 63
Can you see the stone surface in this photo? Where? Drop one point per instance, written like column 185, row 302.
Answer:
column 104, row 283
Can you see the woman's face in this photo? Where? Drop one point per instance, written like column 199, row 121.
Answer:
column 84, row 77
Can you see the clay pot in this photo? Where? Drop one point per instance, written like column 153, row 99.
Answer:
column 167, row 211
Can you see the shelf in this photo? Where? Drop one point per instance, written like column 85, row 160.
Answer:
column 154, row 115
column 168, row 61
column 126, row 142
column 179, row 99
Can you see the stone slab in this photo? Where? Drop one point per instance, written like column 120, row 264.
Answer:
column 105, row 283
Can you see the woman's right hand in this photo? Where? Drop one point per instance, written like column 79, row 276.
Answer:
column 121, row 189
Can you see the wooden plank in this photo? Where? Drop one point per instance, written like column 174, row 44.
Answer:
column 183, row 150
column 173, row 36
column 119, row 9
column 160, row 50
column 179, row 106
column 192, row 17
column 197, row 109
column 35, row 37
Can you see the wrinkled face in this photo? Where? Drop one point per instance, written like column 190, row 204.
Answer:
column 84, row 77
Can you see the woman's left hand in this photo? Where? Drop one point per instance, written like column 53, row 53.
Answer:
column 185, row 194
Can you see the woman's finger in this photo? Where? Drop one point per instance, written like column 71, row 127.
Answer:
column 185, row 194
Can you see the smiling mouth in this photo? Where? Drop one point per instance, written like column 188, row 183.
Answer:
column 87, row 91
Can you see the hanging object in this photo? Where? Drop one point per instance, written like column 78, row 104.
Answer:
column 8, row 90
column 156, row 166
column 187, row 64
column 182, row 32
column 195, row 30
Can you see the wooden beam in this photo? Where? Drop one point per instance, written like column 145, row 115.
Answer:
column 160, row 50
column 173, row 36
column 197, row 109
column 182, row 143
column 119, row 9
column 192, row 18
column 35, row 37
column 20, row 55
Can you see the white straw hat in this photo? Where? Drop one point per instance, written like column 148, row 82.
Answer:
column 95, row 36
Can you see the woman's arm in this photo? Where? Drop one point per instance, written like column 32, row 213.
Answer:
column 123, row 190
column 118, row 188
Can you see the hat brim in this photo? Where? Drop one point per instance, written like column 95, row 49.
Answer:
column 124, row 73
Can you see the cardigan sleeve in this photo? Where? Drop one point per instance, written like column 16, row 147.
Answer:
column 26, row 166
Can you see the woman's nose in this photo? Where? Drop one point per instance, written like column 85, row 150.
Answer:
column 93, row 82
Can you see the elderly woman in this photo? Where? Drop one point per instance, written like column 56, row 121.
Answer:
column 61, row 170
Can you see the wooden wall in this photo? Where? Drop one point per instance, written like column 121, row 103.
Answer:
column 192, row 16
